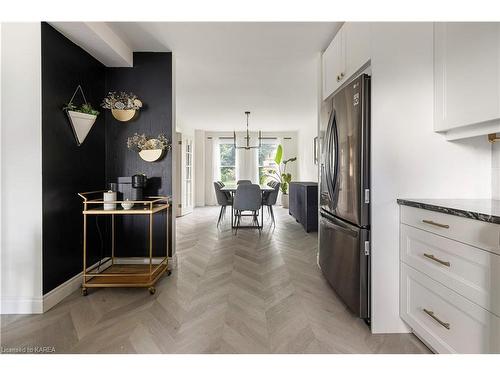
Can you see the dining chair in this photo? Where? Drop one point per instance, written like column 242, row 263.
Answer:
column 248, row 197
column 240, row 182
column 223, row 199
column 269, row 199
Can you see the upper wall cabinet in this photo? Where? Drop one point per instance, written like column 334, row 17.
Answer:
column 333, row 64
column 466, row 79
column 346, row 54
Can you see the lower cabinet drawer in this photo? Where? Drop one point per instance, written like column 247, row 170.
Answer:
column 448, row 322
column 473, row 232
column 469, row 271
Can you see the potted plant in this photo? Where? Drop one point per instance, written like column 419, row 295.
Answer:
column 81, row 118
column 149, row 149
column 280, row 175
column 123, row 105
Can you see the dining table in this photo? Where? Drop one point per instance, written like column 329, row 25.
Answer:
column 232, row 189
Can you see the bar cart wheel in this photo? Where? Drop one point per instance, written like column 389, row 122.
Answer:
column 169, row 272
column 152, row 290
column 84, row 291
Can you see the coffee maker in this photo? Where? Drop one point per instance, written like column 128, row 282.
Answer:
column 130, row 188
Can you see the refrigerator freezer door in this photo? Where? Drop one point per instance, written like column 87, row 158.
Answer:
column 344, row 261
column 345, row 168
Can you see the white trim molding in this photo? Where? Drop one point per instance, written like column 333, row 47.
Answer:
column 21, row 305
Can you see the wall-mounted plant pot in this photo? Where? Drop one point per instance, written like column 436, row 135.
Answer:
column 123, row 115
column 151, row 155
column 81, row 123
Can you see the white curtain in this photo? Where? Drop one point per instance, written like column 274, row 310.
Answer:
column 212, row 170
column 247, row 161
column 215, row 159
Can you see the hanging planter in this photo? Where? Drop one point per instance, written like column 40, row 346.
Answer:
column 151, row 155
column 149, row 149
column 123, row 106
column 123, row 115
column 81, row 118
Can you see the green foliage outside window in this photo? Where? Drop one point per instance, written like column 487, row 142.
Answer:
column 227, row 164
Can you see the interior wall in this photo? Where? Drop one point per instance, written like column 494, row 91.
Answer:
column 307, row 169
column 495, row 171
column 199, row 168
column 151, row 80
column 408, row 159
column 21, row 169
column 68, row 168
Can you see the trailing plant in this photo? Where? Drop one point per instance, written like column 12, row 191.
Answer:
column 84, row 108
column 139, row 142
column 280, row 175
column 121, row 100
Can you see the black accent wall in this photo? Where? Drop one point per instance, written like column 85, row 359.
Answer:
column 151, row 80
column 68, row 169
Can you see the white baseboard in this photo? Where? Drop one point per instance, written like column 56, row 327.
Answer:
column 57, row 294
column 172, row 262
column 21, row 305
column 14, row 305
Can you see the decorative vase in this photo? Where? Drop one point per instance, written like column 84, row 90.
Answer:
column 81, row 123
column 123, row 115
column 284, row 200
column 151, row 155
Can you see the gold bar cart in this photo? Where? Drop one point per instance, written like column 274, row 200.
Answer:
column 117, row 272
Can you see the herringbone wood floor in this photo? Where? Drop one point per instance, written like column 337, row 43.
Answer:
column 229, row 294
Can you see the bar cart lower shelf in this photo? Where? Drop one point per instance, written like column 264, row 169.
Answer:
column 126, row 275
column 121, row 272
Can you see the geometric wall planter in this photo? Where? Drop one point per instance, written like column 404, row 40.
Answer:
column 81, row 123
column 81, row 118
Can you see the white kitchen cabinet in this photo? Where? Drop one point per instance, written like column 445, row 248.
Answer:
column 450, row 271
column 466, row 79
column 333, row 65
column 357, row 40
column 346, row 54
column 444, row 319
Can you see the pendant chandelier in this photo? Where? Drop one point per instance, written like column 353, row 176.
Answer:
column 247, row 144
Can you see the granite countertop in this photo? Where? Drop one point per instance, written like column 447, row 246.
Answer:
column 479, row 209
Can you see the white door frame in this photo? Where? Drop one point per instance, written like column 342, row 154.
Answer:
column 187, row 174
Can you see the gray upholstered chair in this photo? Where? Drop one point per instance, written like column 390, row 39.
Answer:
column 248, row 197
column 240, row 182
column 270, row 198
column 223, row 199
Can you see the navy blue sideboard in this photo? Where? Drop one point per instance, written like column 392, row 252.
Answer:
column 303, row 204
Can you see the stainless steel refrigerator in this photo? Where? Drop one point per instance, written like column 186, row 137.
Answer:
column 344, row 236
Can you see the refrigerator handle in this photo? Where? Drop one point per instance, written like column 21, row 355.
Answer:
column 335, row 153
column 331, row 134
column 334, row 224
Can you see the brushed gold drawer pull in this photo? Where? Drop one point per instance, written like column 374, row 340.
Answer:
column 436, row 224
column 432, row 257
column 431, row 314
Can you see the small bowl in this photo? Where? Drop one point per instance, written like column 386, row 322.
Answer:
column 127, row 205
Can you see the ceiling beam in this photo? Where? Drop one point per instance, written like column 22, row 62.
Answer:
column 99, row 40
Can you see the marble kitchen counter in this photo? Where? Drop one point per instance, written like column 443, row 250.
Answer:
column 479, row 209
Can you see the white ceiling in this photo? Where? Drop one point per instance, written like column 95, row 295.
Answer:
column 224, row 69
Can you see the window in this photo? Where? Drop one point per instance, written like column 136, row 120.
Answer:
column 267, row 152
column 227, row 164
